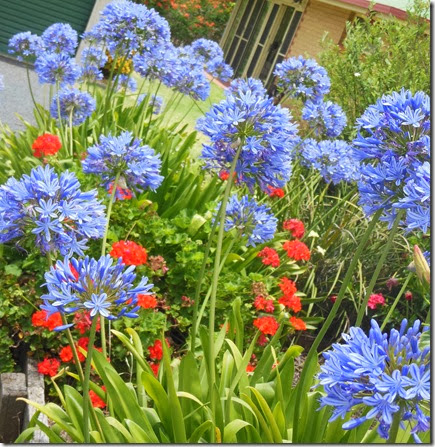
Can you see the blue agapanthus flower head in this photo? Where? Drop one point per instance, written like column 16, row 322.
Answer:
column 332, row 158
column 384, row 372
column 104, row 287
column 53, row 68
column 52, row 209
column 256, row 222
column 60, row 38
column 325, row 117
column 25, row 45
column 248, row 117
column 219, row 69
column 302, row 78
column 157, row 63
column 138, row 164
column 94, row 55
column 72, row 101
column 90, row 73
column 397, row 125
column 205, row 50
column 393, row 144
column 126, row 27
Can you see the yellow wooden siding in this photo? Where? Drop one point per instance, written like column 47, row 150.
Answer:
column 317, row 19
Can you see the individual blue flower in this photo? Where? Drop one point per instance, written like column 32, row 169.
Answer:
column 126, row 82
column 157, row 63
column 325, row 117
column 60, row 38
column 302, row 78
column 104, row 287
column 137, row 164
column 256, row 222
column 205, row 50
column 127, row 28
column 73, row 103
column 56, row 68
column 248, row 117
column 52, row 209
column 25, row 45
column 94, row 56
column 387, row 373
column 219, row 69
column 332, row 158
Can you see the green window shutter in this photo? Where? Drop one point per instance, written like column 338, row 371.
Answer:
column 36, row 15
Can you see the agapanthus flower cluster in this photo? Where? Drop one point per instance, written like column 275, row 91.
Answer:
column 388, row 373
column 60, row 38
column 332, row 158
column 25, row 45
column 393, row 144
column 219, row 69
column 100, row 286
column 248, row 117
column 72, row 104
column 56, row 68
column 302, row 78
column 138, row 164
column 205, row 50
column 53, row 209
column 324, row 117
column 256, row 222
column 126, row 28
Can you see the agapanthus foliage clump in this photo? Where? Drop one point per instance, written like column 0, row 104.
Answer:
column 72, row 104
column 265, row 132
column 393, row 144
column 102, row 287
column 332, row 158
column 302, row 78
column 52, row 210
column 256, row 222
column 137, row 164
column 324, row 117
column 388, row 373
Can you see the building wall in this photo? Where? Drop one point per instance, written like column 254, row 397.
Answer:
column 317, row 19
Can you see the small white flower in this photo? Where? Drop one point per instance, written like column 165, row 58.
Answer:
column 357, row 75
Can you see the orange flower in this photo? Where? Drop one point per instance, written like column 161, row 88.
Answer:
column 297, row 250
column 46, row 144
column 267, row 325
column 295, row 226
column 146, row 301
column 130, row 252
column 293, row 302
column 298, row 324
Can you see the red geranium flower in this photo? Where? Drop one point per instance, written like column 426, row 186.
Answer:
column 287, row 286
column 66, row 354
column 293, row 302
column 130, row 252
column 261, row 303
column 276, row 192
column 375, row 300
column 295, row 226
column 46, row 144
column 267, row 325
column 156, row 350
column 298, row 324
column 83, row 322
column 250, row 368
column 39, row 319
column 49, row 367
column 146, row 301
column 155, row 367
column 121, row 193
column 269, row 257
column 297, row 250
column 96, row 400
column 224, row 175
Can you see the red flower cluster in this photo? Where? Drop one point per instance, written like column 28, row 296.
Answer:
column 155, row 367
column 46, row 144
column 269, row 257
column 298, row 324
column 66, row 354
column 261, row 303
column 146, row 301
column 156, row 350
column 224, row 175
column 130, row 252
column 39, row 319
column 121, row 193
column 83, row 322
column 267, row 325
column 276, row 192
column 376, row 299
column 289, row 299
column 49, row 367
column 297, row 250
column 295, row 226
column 96, row 400
column 262, row 340
column 250, row 368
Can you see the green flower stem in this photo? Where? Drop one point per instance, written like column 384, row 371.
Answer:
column 103, row 252
column 378, row 268
column 152, row 111
column 387, row 318
column 86, row 398
column 71, row 150
column 394, row 430
column 31, row 94
column 313, row 350
column 198, row 288
column 58, row 112
column 74, row 351
column 215, row 280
